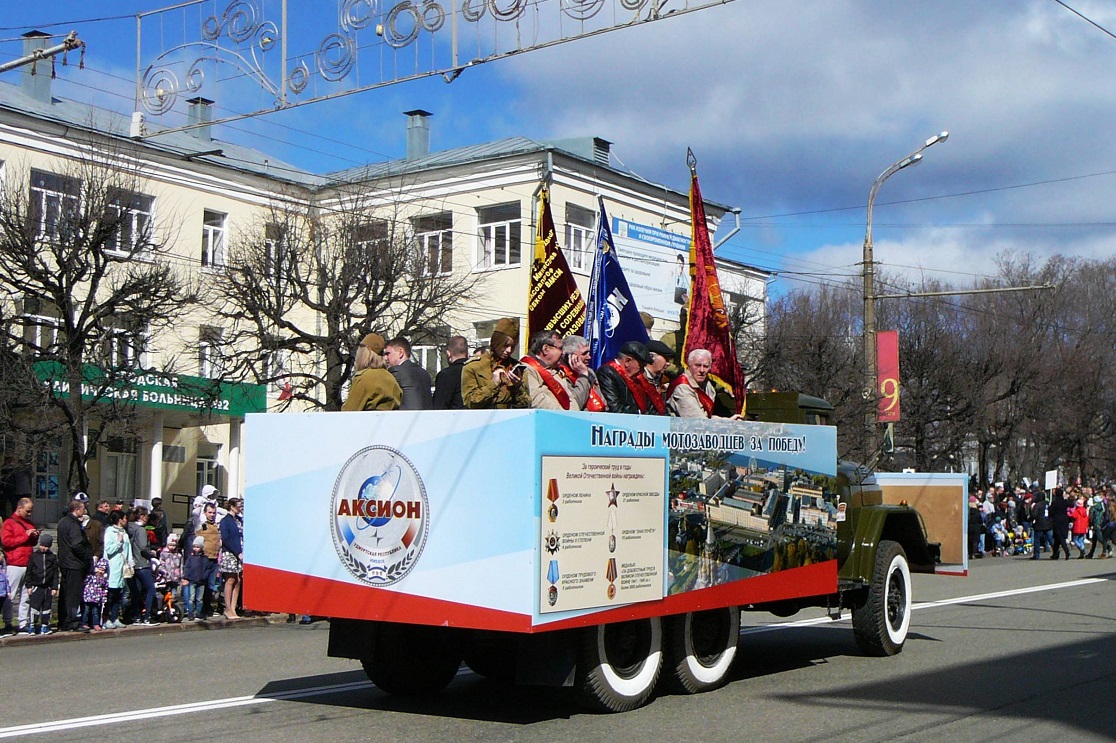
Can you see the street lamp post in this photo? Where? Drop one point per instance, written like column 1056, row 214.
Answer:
column 872, row 384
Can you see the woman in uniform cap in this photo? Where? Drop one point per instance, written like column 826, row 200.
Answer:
column 373, row 386
column 488, row 381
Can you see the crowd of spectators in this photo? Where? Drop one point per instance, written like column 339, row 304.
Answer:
column 1029, row 521
column 120, row 566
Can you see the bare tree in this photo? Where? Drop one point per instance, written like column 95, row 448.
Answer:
column 313, row 276
column 86, row 270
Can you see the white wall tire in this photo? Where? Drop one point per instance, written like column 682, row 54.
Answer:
column 619, row 663
column 881, row 624
column 700, row 649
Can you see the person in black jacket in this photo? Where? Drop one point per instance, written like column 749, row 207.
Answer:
column 447, row 385
column 1060, row 523
column 42, row 584
column 976, row 527
column 1043, row 527
column 412, row 378
column 619, row 383
column 75, row 558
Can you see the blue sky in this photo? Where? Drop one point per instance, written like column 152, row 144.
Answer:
column 792, row 108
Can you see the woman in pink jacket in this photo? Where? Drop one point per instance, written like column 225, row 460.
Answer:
column 1079, row 525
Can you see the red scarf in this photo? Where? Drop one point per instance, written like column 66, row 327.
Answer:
column 595, row 403
column 548, row 379
column 638, row 392
column 652, row 393
column 705, row 400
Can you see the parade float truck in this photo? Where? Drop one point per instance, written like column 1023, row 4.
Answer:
column 609, row 552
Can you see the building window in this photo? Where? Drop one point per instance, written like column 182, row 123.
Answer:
column 373, row 235
column 434, row 234
column 213, row 239
column 208, row 470
column 40, row 326
column 209, row 353
column 580, row 237
column 48, row 469
column 55, row 202
column 132, row 211
column 125, row 346
column 499, row 235
column 275, row 250
column 118, row 469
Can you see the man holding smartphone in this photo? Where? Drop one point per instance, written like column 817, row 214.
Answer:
column 19, row 537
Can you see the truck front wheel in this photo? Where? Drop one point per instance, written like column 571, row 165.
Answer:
column 619, row 663
column 881, row 623
column 700, row 648
column 412, row 659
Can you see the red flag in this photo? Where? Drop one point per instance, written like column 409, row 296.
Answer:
column 887, row 375
column 708, row 324
column 553, row 300
column 286, row 393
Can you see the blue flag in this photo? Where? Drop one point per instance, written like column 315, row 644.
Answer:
column 612, row 318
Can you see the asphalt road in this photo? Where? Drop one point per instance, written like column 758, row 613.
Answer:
column 1017, row 651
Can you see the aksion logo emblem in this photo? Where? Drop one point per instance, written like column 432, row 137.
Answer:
column 380, row 515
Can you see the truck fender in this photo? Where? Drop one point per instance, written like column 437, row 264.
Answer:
column 877, row 523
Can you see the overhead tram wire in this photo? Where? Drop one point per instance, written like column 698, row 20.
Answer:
column 1085, row 18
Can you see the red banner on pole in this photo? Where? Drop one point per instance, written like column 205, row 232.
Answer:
column 887, row 375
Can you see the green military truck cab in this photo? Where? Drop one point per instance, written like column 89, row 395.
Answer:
column 878, row 544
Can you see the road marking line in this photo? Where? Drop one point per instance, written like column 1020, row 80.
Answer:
column 930, row 604
column 313, row 691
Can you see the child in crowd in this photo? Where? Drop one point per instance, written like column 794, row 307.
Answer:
column 42, row 583
column 6, row 603
column 93, row 595
column 194, row 575
column 170, row 567
column 1000, row 535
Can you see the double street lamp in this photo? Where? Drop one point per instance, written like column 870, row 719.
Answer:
column 872, row 383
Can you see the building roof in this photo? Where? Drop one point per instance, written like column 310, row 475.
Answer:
column 182, row 144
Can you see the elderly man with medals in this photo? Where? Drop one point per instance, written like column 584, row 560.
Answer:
column 546, row 387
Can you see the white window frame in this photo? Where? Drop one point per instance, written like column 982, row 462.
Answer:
column 37, row 324
column 52, row 198
column 499, row 241
column 430, row 358
column 580, row 238
column 138, row 214
column 213, row 238
column 209, row 361
column 435, row 245
column 207, row 470
column 127, row 348
column 275, row 247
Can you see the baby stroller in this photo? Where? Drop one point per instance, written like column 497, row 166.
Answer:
column 165, row 607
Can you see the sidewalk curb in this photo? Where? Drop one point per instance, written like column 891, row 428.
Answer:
column 218, row 623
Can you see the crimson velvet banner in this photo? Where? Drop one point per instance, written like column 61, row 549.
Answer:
column 887, row 375
column 708, row 323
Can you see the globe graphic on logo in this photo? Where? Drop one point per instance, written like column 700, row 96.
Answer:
column 380, row 487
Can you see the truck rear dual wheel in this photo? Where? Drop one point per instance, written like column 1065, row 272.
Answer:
column 882, row 622
column 700, row 649
column 412, row 659
column 619, row 663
